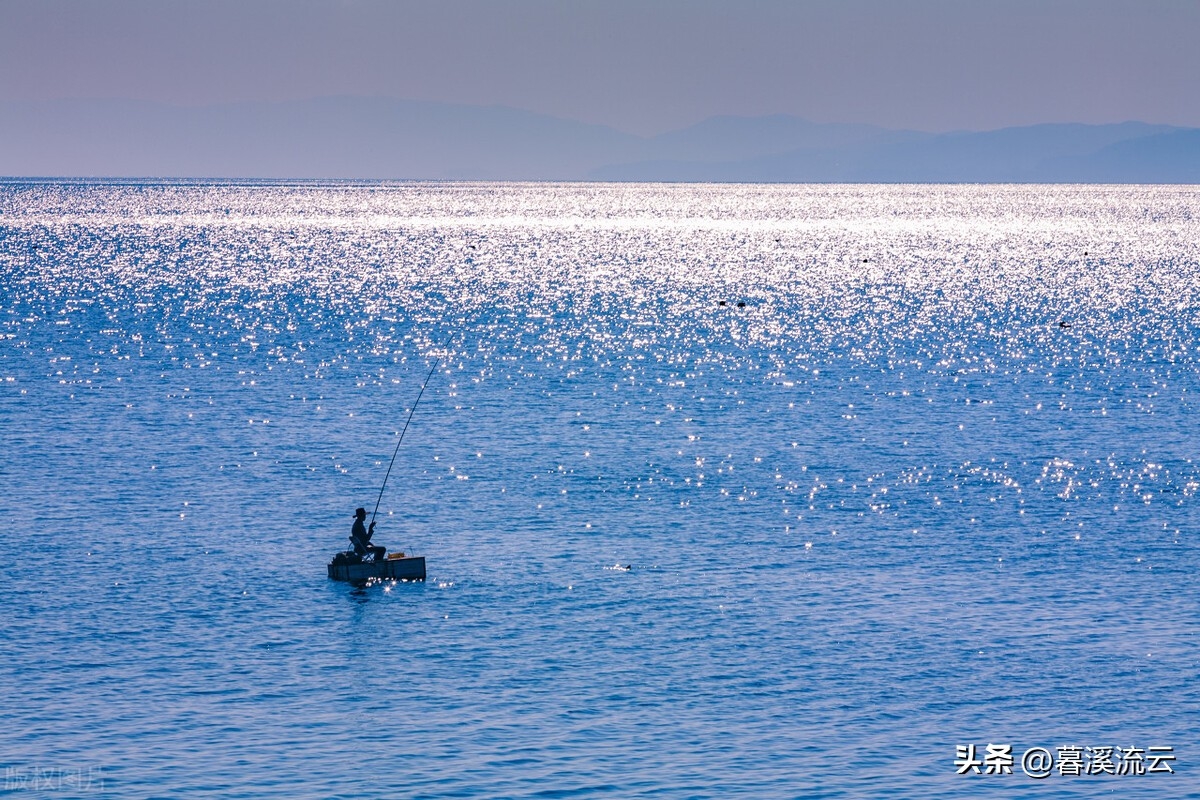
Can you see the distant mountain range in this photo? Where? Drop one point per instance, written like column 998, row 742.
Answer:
column 354, row 137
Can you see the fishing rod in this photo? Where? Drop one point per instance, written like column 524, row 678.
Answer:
column 411, row 411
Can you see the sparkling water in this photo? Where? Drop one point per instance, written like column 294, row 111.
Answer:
column 724, row 491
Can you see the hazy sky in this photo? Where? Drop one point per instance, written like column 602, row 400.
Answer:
column 639, row 65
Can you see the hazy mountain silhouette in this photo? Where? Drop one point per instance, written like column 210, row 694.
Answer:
column 1041, row 153
column 352, row 137
column 1170, row 157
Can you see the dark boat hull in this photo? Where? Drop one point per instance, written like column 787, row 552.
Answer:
column 394, row 569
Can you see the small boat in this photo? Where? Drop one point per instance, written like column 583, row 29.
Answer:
column 396, row 567
column 350, row 565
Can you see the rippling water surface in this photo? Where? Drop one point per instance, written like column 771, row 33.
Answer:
column 893, row 469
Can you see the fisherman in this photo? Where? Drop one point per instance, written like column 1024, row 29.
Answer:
column 360, row 536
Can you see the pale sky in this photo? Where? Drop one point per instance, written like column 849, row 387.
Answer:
column 642, row 66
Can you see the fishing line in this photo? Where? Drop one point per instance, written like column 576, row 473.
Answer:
column 411, row 411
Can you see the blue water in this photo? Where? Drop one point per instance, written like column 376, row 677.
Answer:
column 934, row 484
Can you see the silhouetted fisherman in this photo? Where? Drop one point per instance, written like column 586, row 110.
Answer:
column 360, row 537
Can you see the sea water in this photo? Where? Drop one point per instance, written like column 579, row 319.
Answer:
column 724, row 491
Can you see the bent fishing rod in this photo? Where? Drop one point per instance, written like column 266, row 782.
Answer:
column 411, row 411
